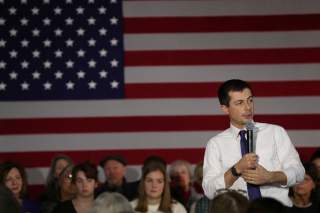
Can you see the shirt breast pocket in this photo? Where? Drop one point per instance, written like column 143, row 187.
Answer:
column 268, row 157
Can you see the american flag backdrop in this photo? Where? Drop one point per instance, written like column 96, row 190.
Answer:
column 78, row 78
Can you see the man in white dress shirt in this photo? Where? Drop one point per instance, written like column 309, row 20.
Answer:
column 271, row 169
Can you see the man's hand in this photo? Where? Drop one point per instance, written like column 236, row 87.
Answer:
column 258, row 176
column 248, row 161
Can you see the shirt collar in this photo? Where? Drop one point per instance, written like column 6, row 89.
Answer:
column 235, row 131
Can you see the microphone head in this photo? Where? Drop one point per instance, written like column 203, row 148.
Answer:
column 250, row 125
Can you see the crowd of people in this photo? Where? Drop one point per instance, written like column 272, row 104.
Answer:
column 251, row 167
column 161, row 188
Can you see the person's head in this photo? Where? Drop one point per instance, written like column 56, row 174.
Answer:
column 315, row 160
column 8, row 203
column 67, row 188
column 85, row 177
column 153, row 159
column 13, row 176
column 114, row 168
column 236, row 100
column 154, row 186
column 230, row 201
column 58, row 163
column 111, row 202
column 198, row 173
column 181, row 173
column 307, row 186
column 266, row 205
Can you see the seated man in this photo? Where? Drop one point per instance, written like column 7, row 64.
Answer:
column 115, row 169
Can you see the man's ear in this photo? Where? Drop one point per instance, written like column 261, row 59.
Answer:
column 224, row 109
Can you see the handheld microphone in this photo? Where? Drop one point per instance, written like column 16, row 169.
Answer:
column 250, row 127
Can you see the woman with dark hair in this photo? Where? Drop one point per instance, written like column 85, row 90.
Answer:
column 85, row 178
column 51, row 193
column 65, row 190
column 303, row 194
column 14, row 177
column 8, row 202
column 154, row 192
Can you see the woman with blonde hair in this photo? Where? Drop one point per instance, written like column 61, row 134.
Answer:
column 154, row 192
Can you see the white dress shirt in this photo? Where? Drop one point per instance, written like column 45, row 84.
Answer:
column 275, row 152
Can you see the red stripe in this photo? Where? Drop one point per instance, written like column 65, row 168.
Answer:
column 207, row 89
column 134, row 157
column 235, row 56
column 222, row 24
column 145, row 124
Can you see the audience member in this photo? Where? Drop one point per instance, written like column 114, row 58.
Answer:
column 66, row 190
column 51, row 193
column 111, row 202
column 201, row 205
column 303, row 194
column 197, row 185
column 229, row 201
column 181, row 183
column 14, row 177
column 150, row 159
column 154, row 191
column 114, row 168
column 8, row 203
column 198, row 176
column 266, row 205
column 315, row 160
column 85, row 178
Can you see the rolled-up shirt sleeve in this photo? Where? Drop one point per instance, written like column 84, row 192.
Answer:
column 289, row 158
column 213, row 175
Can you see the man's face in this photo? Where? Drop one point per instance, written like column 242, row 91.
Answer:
column 114, row 172
column 240, row 109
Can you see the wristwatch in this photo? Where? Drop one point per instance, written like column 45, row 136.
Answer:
column 234, row 172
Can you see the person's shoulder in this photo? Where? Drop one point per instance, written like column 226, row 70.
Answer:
column 221, row 136
column 268, row 126
column 64, row 206
column 177, row 207
column 134, row 203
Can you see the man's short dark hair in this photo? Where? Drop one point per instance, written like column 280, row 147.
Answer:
column 231, row 85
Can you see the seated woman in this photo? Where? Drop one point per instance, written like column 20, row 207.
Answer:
column 50, row 197
column 303, row 194
column 65, row 190
column 154, row 192
column 13, row 176
column 85, row 178
column 8, row 203
column 182, row 188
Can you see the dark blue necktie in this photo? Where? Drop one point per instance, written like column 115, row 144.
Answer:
column 253, row 190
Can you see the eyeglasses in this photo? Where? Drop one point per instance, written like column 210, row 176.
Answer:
column 68, row 176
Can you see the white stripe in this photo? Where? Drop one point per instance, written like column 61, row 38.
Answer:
column 220, row 73
column 151, row 107
column 202, row 41
column 125, row 141
column 218, row 8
